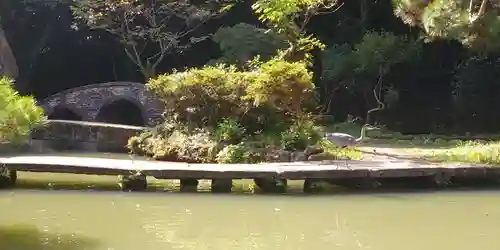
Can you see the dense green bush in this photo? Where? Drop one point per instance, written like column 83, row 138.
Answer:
column 272, row 90
column 239, row 153
column 229, row 131
column 246, row 116
column 302, row 133
column 18, row 114
column 141, row 144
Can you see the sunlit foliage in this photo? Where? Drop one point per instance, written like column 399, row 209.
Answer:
column 475, row 23
column 18, row 114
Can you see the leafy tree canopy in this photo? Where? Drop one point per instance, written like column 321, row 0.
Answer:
column 361, row 68
column 475, row 23
column 290, row 17
column 242, row 42
column 369, row 59
column 149, row 30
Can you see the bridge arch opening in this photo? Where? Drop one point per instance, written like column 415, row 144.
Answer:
column 121, row 111
column 63, row 113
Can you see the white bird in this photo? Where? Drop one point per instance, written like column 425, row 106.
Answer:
column 343, row 140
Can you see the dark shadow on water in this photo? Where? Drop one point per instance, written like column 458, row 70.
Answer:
column 381, row 143
column 24, row 237
column 89, row 184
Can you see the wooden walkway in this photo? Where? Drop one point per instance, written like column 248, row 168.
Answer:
column 297, row 170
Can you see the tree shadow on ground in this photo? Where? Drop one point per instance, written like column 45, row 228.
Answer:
column 406, row 144
column 376, row 154
column 24, row 237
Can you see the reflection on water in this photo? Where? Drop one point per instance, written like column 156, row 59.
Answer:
column 68, row 220
column 25, row 237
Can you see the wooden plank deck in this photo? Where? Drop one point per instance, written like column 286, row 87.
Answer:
column 294, row 170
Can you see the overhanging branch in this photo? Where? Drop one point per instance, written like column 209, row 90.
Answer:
column 377, row 88
column 480, row 13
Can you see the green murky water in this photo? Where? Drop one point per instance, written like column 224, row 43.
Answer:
column 34, row 218
column 92, row 220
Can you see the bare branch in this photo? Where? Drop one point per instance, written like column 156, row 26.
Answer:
column 144, row 26
column 471, row 11
column 482, row 9
column 473, row 17
column 380, row 104
column 328, row 7
column 135, row 58
column 315, row 11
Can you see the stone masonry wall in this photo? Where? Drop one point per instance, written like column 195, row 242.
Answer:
column 86, row 101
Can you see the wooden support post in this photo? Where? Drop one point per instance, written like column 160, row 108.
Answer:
column 312, row 186
column 441, row 179
column 222, row 185
column 8, row 177
column 189, row 185
column 271, row 185
column 136, row 182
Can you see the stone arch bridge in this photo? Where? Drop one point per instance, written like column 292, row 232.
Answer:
column 127, row 103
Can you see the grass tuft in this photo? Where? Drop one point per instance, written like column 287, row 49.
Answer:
column 341, row 153
column 470, row 152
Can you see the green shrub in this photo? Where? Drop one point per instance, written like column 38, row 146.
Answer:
column 239, row 153
column 173, row 141
column 302, row 133
column 18, row 114
column 136, row 144
column 229, row 131
column 336, row 153
column 201, row 96
column 205, row 96
column 231, row 154
column 145, row 142
column 284, row 86
column 167, row 127
column 195, row 147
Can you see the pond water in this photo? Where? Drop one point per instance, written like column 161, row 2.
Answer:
column 34, row 219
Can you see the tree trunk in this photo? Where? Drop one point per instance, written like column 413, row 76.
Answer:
column 148, row 72
column 8, row 64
